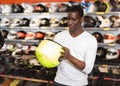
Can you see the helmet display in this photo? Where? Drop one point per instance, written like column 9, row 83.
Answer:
column 15, row 22
column 112, row 53
column 48, row 53
column 101, row 53
column 24, row 22
column 40, row 8
column 12, row 34
column 5, row 22
column 89, row 21
column 35, row 22
column 17, row 8
column 44, row 22
column 98, row 36
column 109, row 38
column 5, row 8
column 28, row 8
column 63, row 22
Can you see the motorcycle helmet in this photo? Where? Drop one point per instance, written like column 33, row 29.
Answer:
column 30, row 36
column 98, row 36
column 5, row 8
column 63, row 22
column 112, row 53
column 101, row 53
column 53, row 7
column 44, row 22
column 5, row 33
column 40, row 8
column 101, row 6
column 1, row 39
column 21, row 34
column 17, row 8
column 118, row 39
column 15, row 22
column 12, row 35
column 109, row 38
column 5, row 22
column 115, row 5
column 54, row 22
column 104, row 21
column 39, row 35
column 115, row 21
column 28, row 8
column 89, row 21
column 24, row 22
column 63, row 7
column 49, row 35
column 48, row 53
column 88, row 6
column 35, row 22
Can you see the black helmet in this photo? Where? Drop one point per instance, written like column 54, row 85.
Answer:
column 101, row 53
column 89, row 21
column 17, row 8
column 98, row 36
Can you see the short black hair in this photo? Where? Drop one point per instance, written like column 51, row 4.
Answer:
column 76, row 8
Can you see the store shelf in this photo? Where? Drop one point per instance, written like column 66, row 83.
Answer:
column 14, row 41
column 24, row 78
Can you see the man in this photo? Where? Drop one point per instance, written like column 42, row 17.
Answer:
column 79, row 51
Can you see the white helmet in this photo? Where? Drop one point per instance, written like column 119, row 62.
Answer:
column 109, row 38
column 105, row 22
column 12, row 34
column 112, row 53
column 28, row 8
column 54, row 22
column 34, row 22
column 15, row 22
column 5, row 8
column 5, row 22
column 53, row 7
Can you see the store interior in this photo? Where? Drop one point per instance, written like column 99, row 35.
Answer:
column 24, row 24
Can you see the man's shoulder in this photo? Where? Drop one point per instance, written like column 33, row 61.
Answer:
column 90, row 36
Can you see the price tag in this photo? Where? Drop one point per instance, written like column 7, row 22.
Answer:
column 106, row 28
column 111, row 44
column 7, row 14
column 23, row 40
column 100, row 13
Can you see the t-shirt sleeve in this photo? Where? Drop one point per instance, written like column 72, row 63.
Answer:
column 90, row 56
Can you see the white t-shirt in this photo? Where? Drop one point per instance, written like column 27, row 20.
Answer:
column 84, row 48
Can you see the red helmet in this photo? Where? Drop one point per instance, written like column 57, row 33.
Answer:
column 39, row 35
column 21, row 34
